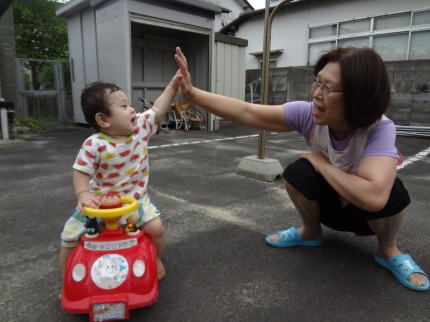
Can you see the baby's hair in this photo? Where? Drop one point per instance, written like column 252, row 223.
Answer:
column 94, row 100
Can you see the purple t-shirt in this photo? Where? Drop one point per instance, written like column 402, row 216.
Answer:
column 381, row 140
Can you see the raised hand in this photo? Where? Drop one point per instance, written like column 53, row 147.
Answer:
column 183, row 76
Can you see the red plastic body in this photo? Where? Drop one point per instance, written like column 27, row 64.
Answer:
column 109, row 259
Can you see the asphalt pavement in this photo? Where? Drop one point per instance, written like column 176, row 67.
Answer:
column 218, row 265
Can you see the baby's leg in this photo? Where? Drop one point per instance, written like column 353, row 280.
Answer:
column 64, row 255
column 155, row 229
column 73, row 229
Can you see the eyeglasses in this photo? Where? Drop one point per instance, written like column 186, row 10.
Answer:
column 325, row 89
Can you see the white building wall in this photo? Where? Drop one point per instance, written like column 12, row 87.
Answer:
column 290, row 27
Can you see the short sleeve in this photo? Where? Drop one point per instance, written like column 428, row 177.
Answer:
column 88, row 157
column 382, row 140
column 298, row 116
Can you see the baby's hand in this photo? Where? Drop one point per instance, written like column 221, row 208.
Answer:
column 86, row 199
column 174, row 82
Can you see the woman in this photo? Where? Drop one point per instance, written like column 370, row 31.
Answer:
column 349, row 179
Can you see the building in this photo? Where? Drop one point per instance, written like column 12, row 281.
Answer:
column 398, row 30
column 8, row 78
column 132, row 42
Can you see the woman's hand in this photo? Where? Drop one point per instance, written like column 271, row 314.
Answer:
column 183, row 76
column 317, row 159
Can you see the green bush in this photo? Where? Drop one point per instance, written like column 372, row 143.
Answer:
column 32, row 124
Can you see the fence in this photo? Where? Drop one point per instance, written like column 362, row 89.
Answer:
column 410, row 80
column 45, row 91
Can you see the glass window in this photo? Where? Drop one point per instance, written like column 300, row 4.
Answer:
column 316, row 50
column 420, row 45
column 272, row 63
column 393, row 21
column 325, row 31
column 421, row 18
column 351, row 27
column 392, row 47
column 354, row 42
column 391, row 36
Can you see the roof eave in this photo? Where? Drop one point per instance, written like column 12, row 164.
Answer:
column 77, row 5
column 247, row 15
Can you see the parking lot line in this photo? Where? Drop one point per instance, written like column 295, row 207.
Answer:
column 204, row 141
column 419, row 156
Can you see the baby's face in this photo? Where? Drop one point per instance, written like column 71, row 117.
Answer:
column 122, row 120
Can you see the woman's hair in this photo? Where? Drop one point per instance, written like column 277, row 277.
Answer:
column 365, row 83
column 94, row 100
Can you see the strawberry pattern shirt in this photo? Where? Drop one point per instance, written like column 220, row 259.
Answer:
column 120, row 167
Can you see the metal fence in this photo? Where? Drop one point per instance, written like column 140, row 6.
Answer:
column 45, row 91
column 414, row 131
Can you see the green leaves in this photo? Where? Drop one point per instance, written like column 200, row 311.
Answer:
column 39, row 33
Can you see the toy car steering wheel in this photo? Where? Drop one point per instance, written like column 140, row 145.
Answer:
column 112, row 216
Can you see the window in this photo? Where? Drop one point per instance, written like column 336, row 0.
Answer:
column 392, row 47
column 272, row 63
column 324, row 31
column 274, row 54
column 355, row 26
column 316, row 50
column 354, row 42
column 420, row 45
column 421, row 18
column 392, row 21
column 400, row 36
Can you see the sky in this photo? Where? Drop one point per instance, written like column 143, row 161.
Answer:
column 258, row 4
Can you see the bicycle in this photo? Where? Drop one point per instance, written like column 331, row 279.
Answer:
column 189, row 116
column 146, row 106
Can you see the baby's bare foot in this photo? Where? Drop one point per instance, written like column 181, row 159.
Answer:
column 161, row 272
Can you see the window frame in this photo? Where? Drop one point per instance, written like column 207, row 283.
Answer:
column 369, row 34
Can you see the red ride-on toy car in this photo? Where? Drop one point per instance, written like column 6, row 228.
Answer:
column 112, row 271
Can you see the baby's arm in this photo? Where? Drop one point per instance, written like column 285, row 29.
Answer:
column 164, row 101
column 81, row 183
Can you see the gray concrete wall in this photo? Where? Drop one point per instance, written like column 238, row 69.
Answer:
column 410, row 102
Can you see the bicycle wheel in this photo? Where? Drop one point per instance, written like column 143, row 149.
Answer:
column 193, row 118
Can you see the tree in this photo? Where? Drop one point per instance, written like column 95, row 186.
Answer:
column 39, row 33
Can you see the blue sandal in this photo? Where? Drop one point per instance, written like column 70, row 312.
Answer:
column 291, row 238
column 402, row 266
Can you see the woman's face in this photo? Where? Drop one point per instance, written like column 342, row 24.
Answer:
column 329, row 109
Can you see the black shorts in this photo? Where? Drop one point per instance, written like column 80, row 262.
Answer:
column 302, row 176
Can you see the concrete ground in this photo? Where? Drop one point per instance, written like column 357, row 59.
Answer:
column 218, row 265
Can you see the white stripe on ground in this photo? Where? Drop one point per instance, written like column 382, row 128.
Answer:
column 203, row 141
column 419, row 156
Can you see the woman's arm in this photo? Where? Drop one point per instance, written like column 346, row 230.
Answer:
column 266, row 117
column 369, row 189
